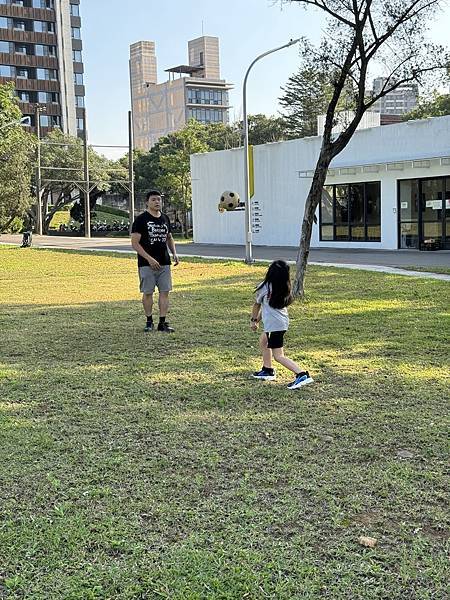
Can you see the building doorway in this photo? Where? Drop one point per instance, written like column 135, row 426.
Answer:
column 424, row 213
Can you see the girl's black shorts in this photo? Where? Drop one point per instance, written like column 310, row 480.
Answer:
column 275, row 339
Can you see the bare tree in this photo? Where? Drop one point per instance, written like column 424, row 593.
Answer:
column 362, row 36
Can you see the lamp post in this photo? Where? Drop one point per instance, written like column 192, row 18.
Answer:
column 248, row 215
column 131, row 165
column 38, row 110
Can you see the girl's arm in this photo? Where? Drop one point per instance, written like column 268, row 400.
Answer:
column 256, row 316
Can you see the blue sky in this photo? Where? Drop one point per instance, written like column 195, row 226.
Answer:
column 245, row 28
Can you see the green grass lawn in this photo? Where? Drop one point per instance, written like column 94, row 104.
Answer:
column 144, row 466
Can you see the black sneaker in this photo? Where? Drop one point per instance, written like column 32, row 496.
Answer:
column 265, row 375
column 149, row 327
column 165, row 327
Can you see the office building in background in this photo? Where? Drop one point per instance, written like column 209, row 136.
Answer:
column 398, row 102
column 195, row 90
column 41, row 52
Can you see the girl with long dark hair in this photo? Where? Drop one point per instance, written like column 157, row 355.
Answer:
column 273, row 296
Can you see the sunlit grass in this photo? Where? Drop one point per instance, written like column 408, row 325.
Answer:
column 148, row 466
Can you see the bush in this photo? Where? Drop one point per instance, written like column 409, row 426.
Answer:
column 15, row 227
column 112, row 211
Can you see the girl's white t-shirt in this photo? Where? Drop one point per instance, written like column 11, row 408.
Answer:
column 274, row 319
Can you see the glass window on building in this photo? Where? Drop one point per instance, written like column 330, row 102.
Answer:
column 80, row 124
column 21, row 49
column 50, row 120
column 47, row 74
column 79, row 101
column 44, row 50
column 4, row 47
column 351, row 212
column 74, row 10
column 77, row 56
column 19, row 25
column 23, row 96
column 76, row 33
column 3, row 23
column 50, row 4
column 44, row 27
column 424, row 211
column 6, row 71
column 78, row 78
column 22, row 73
column 205, row 96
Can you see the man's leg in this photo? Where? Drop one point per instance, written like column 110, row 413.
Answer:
column 163, row 303
column 147, row 301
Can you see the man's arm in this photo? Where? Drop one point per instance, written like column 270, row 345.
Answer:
column 135, row 243
column 173, row 250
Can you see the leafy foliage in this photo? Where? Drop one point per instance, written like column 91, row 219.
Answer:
column 16, row 160
column 437, row 106
column 307, row 94
column 175, row 166
column 62, row 159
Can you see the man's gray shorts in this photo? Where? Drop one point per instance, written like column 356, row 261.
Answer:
column 149, row 279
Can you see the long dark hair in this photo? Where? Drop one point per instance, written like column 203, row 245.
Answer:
column 279, row 282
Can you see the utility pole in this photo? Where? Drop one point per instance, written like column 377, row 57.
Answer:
column 87, row 203
column 131, row 165
column 38, row 170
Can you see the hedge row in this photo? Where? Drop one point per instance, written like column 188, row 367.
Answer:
column 111, row 210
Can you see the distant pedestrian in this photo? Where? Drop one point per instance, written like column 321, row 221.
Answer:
column 151, row 237
column 273, row 296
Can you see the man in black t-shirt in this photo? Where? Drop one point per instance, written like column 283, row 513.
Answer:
column 151, row 237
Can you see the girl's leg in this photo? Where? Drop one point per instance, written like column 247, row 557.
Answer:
column 265, row 351
column 278, row 354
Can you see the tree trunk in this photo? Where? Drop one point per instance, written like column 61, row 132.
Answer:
column 44, row 208
column 184, row 223
column 312, row 202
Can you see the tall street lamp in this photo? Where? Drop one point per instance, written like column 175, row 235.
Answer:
column 248, row 216
column 38, row 110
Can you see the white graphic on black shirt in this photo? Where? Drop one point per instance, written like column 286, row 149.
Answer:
column 157, row 232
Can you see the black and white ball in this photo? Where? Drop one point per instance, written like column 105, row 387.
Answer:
column 229, row 201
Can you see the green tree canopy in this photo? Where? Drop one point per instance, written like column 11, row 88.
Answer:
column 175, row 167
column 307, row 95
column 16, row 159
column 437, row 106
column 62, row 160
column 263, row 129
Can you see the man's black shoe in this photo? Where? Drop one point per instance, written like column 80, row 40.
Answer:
column 149, row 327
column 165, row 328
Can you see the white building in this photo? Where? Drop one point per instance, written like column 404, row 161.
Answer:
column 389, row 189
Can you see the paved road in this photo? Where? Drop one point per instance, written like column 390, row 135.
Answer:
column 382, row 260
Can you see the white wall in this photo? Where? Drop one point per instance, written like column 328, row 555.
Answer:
column 281, row 193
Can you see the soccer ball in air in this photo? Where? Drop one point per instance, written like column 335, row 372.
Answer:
column 229, row 201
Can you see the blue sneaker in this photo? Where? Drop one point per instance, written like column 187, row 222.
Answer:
column 302, row 379
column 265, row 375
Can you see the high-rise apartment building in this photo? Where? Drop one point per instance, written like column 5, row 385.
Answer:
column 398, row 102
column 194, row 91
column 41, row 52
